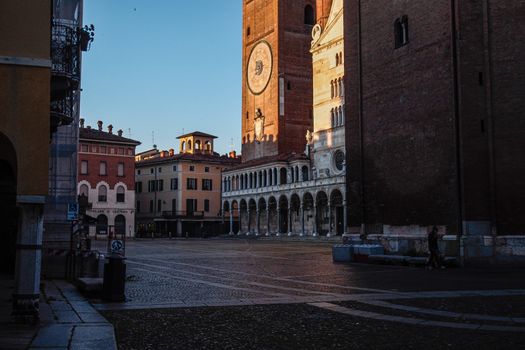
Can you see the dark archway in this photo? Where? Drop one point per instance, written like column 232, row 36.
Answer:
column 8, row 209
column 120, row 225
column 8, row 217
column 102, row 225
column 322, row 213
column 309, row 15
column 283, row 217
column 336, row 204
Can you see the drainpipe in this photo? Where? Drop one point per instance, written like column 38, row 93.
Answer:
column 487, row 44
column 457, row 120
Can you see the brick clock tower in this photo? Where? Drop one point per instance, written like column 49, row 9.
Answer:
column 277, row 76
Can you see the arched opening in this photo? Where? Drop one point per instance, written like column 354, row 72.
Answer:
column 102, row 225
column 336, row 205
column 207, row 146
column 183, row 146
column 189, row 145
column 322, row 213
column 272, row 211
column 121, row 194
column 263, row 217
column 309, row 15
column 304, row 173
column 283, row 215
column 283, row 176
column 102, row 193
column 8, row 216
column 295, row 217
column 309, row 219
column 120, row 224
column 83, row 190
column 198, row 145
column 243, row 219
column 252, row 217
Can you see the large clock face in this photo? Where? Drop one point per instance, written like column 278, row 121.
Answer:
column 259, row 69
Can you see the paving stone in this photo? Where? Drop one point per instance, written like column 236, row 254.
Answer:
column 55, row 335
column 93, row 337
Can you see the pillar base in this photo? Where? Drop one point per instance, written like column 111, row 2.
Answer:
column 290, row 234
column 328, row 235
column 315, row 234
column 239, row 233
column 268, row 234
column 25, row 309
column 301, row 234
column 231, row 233
column 278, row 234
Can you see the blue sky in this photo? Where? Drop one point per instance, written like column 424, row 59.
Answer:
column 164, row 67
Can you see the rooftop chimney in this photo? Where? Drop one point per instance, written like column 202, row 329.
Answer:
column 119, row 132
column 110, row 129
column 82, row 122
column 99, row 123
column 172, row 152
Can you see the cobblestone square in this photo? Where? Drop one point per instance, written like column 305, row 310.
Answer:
column 211, row 288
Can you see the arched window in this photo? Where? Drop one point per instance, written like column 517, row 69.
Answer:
column 304, row 171
column 102, row 225
column 275, row 180
column 208, row 146
column 120, row 224
column 283, row 176
column 189, row 145
column 183, row 146
column 121, row 194
column 341, row 87
column 197, row 145
column 84, row 190
column 332, row 118
column 102, row 194
column 401, row 31
column 336, row 59
column 297, row 174
column 309, row 15
column 332, row 86
column 270, row 177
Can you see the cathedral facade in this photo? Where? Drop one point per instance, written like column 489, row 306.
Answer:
column 292, row 177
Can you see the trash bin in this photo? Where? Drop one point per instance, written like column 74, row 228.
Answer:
column 114, row 278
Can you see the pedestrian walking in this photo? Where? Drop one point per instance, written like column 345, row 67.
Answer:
column 434, row 260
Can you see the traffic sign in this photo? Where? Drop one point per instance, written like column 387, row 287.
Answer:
column 72, row 211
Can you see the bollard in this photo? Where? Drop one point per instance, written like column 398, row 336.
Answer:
column 101, row 261
column 114, row 278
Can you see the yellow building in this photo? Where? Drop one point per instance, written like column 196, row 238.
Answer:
column 180, row 193
column 25, row 73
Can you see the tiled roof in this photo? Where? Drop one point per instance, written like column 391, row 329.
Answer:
column 197, row 133
column 94, row 134
column 202, row 157
column 288, row 157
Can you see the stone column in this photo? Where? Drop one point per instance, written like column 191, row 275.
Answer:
column 330, row 221
column 249, row 221
column 26, row 294
column 268, row 233
column 345, row 218
column 258, row 222
column 302, row 220
column 290, row 228
column 240, row 220
column 278, row 222
column 315, row 221
column 231, row 221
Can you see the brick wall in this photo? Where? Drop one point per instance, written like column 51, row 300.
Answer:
column 281, row 24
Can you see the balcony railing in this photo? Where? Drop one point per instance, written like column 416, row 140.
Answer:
column 65, row 56
column 63, row 110
column 183, row 214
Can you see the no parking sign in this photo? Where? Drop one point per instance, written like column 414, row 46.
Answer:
column 117, row 246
